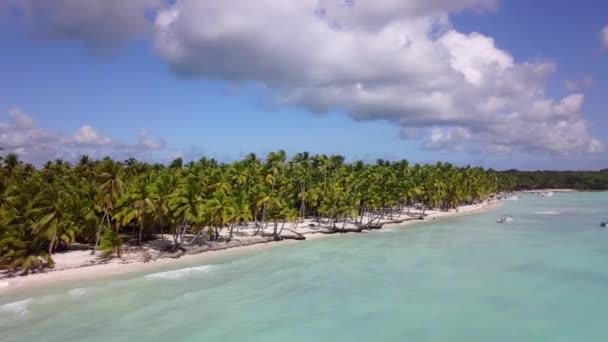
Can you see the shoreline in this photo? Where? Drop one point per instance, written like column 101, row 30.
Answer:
column 550, row 190
column 116, row 267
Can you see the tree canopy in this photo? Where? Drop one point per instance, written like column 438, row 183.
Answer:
column 108, row 203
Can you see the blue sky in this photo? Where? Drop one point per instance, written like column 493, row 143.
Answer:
column 125, row 89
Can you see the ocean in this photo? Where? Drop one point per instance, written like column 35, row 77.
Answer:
column 541, row 277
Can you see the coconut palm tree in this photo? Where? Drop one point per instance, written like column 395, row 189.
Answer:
column 220, row 210
column 159, row 198
column 110, row 190
column 52, row 216
column 187, row 204
column 42, row 209
column 136, row 205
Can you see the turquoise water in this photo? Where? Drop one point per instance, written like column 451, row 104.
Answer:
column 542, row 277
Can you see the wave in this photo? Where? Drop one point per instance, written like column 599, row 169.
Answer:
column 18, row 308
column 385, row 230
column 176, row 274
column 77, row 292
column 547, row 212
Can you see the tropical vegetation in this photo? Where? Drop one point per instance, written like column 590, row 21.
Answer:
column 108, row 204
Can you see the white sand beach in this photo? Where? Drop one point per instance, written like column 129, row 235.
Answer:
column 82, row 265
column 550, row 190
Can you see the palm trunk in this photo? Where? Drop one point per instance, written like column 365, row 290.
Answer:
column 276, row 226
column 183, row 232
column 282, row 226
column 162, row 233
column 230, row 234
column 255, row 218
column 52, row 243
column 98, row 236
column 303, row 203
column 264, row 217
column 302, row 209
column 141, row 229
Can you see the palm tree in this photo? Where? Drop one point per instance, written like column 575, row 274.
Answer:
column 220, row 211
column 241, row 214
column 12, row 165
column 52, row 216
column 43, row 209
column 287, row 214
column 187, row 205
column 109, row 192
column 136, row 205
column 159, row 200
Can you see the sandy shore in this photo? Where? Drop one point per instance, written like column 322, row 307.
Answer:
column 81, row 265
column 549, row 190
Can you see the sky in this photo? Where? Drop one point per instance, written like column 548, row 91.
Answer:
column 496, row 83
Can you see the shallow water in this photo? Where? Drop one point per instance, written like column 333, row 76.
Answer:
column 542, row 277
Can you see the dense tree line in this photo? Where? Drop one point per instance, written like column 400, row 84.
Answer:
column 106, row 203
column 580, row 180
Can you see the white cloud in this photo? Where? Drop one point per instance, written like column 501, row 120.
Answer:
column 448, row 139
column 22, row 120
column 400, row 61
column 98, row 23
column 146, row 142
column 574, row 85
column 88, row 136
column 604, row 37
column 37, row 145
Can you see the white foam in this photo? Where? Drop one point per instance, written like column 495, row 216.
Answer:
column 512, row 198
column 176, row 274
column 385, row 230
column 4, row 284
column 548, row 212
column 77, row 292
column 18, row 308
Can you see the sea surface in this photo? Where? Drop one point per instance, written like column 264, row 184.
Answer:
column 541, row 277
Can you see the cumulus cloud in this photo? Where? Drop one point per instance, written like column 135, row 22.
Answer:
column 604, row 37
column 448, row 139
column 97, row 23
column 146, row 142
column 398, row 61
column 88, row 136
column 574, row 85
column 37, row 145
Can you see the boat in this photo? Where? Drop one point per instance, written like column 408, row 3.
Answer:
column 604, row 224
column 505, row 219
column 547, row 194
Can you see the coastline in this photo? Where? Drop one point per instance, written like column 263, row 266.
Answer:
column 550, row 190
column 65, row 271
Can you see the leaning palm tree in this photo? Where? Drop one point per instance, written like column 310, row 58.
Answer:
column 52, row 217
column 287, row 214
